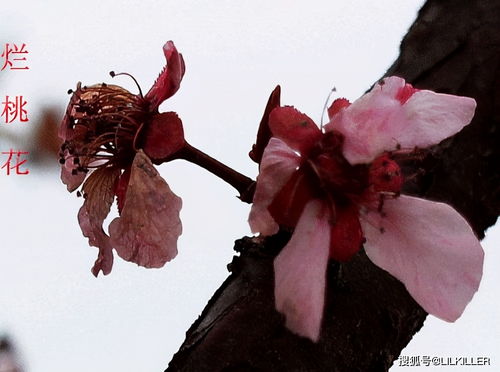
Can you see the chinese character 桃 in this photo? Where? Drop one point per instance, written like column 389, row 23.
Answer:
column 13, row 108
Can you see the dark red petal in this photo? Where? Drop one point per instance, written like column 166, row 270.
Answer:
column 296, row 129
column 105, row 258
column 170, row 78
column 337, row 105
column 66, row 127
column 264, row 133
column 121, row 188
column 346, row 234
column 163, row 137
column 289, row 202
column 147, row 230
column 98, row 192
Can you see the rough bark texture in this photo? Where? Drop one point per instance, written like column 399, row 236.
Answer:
column 453, row 47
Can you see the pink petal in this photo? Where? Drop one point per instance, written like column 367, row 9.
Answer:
column 147, row 230
column 300, row 272
column 170, row 78
column 295, row 128
column 395, row 114
column 163, row 137
column 98, row 192
column 430, row 248
column 277, row 166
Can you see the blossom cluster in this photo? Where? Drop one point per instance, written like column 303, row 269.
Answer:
column 338, row 188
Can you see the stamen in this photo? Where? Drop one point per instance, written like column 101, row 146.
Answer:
column 113, row 74
column 325, row 106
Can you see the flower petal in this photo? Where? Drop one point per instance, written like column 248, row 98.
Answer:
column 300, row 272
column 147, row 230
column 395, row 114
column 430, row 248
column 70, row 176
column 98, row 192
column 121, row 187
column 264, row 133
column 277, row 166
column 295, row 128
column 346, row 234
column 170, row 78
column 163, row 137
column 289, row 203
column 336, row 106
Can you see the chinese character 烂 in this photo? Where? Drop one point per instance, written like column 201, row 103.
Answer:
column 16, row 163
column 14, row 57
column 14, row 109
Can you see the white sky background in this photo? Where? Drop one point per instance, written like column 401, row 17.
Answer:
column 61, row 317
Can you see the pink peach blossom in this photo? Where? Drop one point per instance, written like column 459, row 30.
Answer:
column 340, row 188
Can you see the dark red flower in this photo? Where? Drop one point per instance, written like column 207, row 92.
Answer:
column 111, row 138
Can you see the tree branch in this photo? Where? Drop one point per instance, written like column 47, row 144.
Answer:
column 453, row 47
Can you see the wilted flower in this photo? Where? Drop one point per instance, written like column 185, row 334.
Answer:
column 340, row 188
column 111, row 138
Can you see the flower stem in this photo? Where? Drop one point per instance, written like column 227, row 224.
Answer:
column 244, row 185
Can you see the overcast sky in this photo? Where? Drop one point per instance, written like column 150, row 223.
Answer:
column 60, row 316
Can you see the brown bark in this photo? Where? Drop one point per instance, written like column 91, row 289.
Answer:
column 453, row 47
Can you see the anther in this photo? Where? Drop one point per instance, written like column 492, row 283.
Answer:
column 113, row 74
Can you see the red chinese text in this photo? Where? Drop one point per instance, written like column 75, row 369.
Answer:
column 13, row 108
column 14, row 57
column 15, row 159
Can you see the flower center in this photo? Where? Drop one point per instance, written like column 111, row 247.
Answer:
column 325, row 174
column 101, row 124
column 336, row 179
